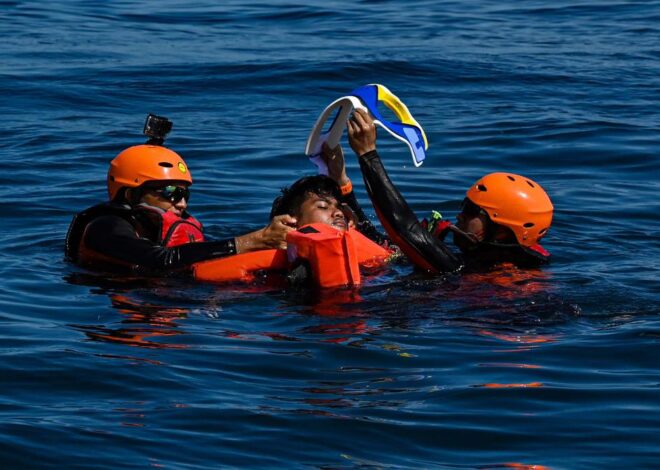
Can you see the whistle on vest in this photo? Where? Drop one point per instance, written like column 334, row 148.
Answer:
column 437, row 226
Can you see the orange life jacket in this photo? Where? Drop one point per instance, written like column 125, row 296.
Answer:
column 174, row 230
column 334, row 257
column 162, row 227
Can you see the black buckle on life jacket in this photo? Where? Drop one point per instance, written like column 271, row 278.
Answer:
column 308, row 229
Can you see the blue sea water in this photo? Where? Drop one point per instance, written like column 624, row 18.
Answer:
column 554, row 368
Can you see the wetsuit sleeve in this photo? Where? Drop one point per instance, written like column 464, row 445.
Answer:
column 400, row 222
column 115, row 237
column 363, row 224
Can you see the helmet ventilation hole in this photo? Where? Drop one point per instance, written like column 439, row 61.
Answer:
column 530, row 183
column 510, row 177
column 528, row 225
column 166, row 164
column 481, row 187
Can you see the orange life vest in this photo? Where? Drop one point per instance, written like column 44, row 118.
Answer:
column 163, row 227
column 174, row 230
column 334, row 257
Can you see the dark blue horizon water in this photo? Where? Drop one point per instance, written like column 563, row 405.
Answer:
column 554, row 368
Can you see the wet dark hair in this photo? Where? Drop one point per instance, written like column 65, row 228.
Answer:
column 292, row 197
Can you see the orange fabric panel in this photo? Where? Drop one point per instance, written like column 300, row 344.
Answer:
column 335, row 258
column 239, row 267
column 327, row 253
column 370, row 254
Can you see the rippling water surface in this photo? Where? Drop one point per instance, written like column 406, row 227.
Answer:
column 555, row 368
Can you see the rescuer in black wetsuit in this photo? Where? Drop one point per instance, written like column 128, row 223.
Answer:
column 502, row 218
column 145, row 227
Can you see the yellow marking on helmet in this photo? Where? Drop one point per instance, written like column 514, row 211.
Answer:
column 182, row 167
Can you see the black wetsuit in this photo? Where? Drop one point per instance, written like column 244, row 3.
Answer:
column 130, row 238
column 400, row 221
column 418, row 244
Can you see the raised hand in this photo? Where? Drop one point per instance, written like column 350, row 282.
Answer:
column 361, row 132
column 334, row 159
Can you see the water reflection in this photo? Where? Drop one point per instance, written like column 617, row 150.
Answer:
column 345, row 389
column 514, row 307
column 143, row 324
column 502, row 284
column 511, row 305
column 341, row 318
column 517, row 308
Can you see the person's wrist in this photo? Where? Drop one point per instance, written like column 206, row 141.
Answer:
column 239, row 244
column 346, row 188
column 366, row 147
column 259, row 239
column 249, row 242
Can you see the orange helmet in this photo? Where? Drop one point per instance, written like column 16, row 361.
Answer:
column 141, row 163
column 515, row 202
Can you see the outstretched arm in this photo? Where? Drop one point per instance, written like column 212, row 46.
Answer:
column 334, row 159
column 117, row 239
column 271, row 236
column 398, row 219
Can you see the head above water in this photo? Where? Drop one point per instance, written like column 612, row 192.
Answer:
column 506, row 205
column 142, row 164
column 312, row 199
column 149, row 164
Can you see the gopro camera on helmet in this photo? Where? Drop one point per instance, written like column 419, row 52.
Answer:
column 156, row 128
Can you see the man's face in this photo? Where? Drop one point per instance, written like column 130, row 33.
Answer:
column 471, row 224
column 322, row 209
column 474, row 224
column 169, row 198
